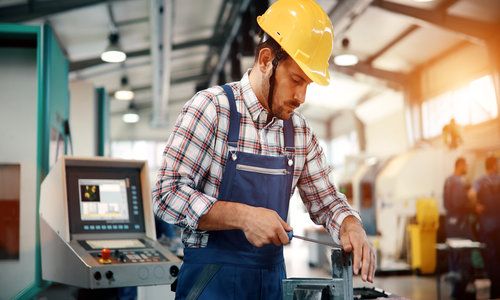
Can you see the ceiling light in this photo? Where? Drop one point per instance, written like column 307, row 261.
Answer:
column 130, row 118
column 125, row 92
column 131, row 115
column 345, row 58
column 113, row 53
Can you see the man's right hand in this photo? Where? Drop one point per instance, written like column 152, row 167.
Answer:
column 261, row 226
column 264, row 226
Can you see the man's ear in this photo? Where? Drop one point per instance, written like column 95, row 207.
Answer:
column 265, row 59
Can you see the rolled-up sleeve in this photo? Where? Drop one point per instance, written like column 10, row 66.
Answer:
column 177, row 196
column 326, row 206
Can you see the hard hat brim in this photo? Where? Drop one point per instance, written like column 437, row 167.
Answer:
column 316, row 77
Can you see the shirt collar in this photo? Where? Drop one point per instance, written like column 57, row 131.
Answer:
column 257, row 111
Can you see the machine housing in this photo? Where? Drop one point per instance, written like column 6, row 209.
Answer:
column 91, row 204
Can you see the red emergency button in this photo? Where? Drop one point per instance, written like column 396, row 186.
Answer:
column 105, row 256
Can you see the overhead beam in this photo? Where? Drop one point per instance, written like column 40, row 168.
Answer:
column 233, row 31
column 132, row 21
column 454, row 49
column 118, row 68
column 112, row 69
column 475, row 31
column 400, row 79
column 389, row 45
column 344, row 13
column 92, row 62
column 161, row 47
column 217, row 32
column 189, row 78
column 445, row 4
column 39, row 9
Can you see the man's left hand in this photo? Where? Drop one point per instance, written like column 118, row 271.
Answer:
column 353, row 239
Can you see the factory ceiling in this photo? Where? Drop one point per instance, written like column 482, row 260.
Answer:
column 174, row 47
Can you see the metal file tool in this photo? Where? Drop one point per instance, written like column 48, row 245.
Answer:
column 291, row 235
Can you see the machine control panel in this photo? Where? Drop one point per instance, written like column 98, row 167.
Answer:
column 126, row 256
column 105, row 235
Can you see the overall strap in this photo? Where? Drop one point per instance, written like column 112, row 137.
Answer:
column 289, row 134
column 203, row 279
column 234, row 117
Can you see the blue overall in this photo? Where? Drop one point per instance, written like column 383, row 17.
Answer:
column 488, row 189
column 243, row 271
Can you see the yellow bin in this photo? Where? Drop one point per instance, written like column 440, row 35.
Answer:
column 423, row 236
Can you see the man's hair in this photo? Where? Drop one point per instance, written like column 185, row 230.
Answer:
column 267, row 41
column 459, row 161
column 490, row 162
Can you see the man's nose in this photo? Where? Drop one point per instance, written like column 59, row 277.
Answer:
column 301, row 96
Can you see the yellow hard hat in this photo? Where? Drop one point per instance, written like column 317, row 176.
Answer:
column 305, row 32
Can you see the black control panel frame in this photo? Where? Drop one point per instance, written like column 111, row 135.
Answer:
column 134, row 200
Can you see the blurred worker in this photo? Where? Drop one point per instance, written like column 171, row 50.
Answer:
column 459, row 208
column 235, row 156
column 487, row 191
column 451, row 135
column 460, row 222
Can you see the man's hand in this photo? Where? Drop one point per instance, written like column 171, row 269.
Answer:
column 263, row 226
column 353, row 239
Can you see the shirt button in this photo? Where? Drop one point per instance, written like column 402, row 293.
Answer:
column 290, row 162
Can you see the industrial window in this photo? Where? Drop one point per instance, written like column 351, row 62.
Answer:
column 468, row 105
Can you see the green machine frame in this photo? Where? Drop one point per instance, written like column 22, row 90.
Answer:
column 52, row 110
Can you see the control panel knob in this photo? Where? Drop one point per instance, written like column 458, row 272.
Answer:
column 109, row 275
column 97, row 275
column 105, row 256
column 105, row 253
column 174, row 270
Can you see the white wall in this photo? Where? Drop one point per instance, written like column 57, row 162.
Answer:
column 318, row 128
column 141, row 130
column 83, row 118
column 18, row 117
column 456, row 69
column 344, row 124
column 387, row 136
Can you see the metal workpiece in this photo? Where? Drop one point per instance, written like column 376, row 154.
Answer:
column 342, row 269
column 337, row 287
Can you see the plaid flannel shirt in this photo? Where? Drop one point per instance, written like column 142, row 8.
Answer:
column 196, row 152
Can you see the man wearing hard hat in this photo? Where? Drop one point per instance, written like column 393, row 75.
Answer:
column 235, row 156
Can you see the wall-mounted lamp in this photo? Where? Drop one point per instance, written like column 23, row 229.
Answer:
column 125, row 92
column 113, row 52
column 131, row 115
column 344, row 58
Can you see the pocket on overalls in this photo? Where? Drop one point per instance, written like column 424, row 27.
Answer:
column 258, row 186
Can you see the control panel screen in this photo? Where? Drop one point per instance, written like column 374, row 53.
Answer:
column 114, row 244
column 103, row 199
